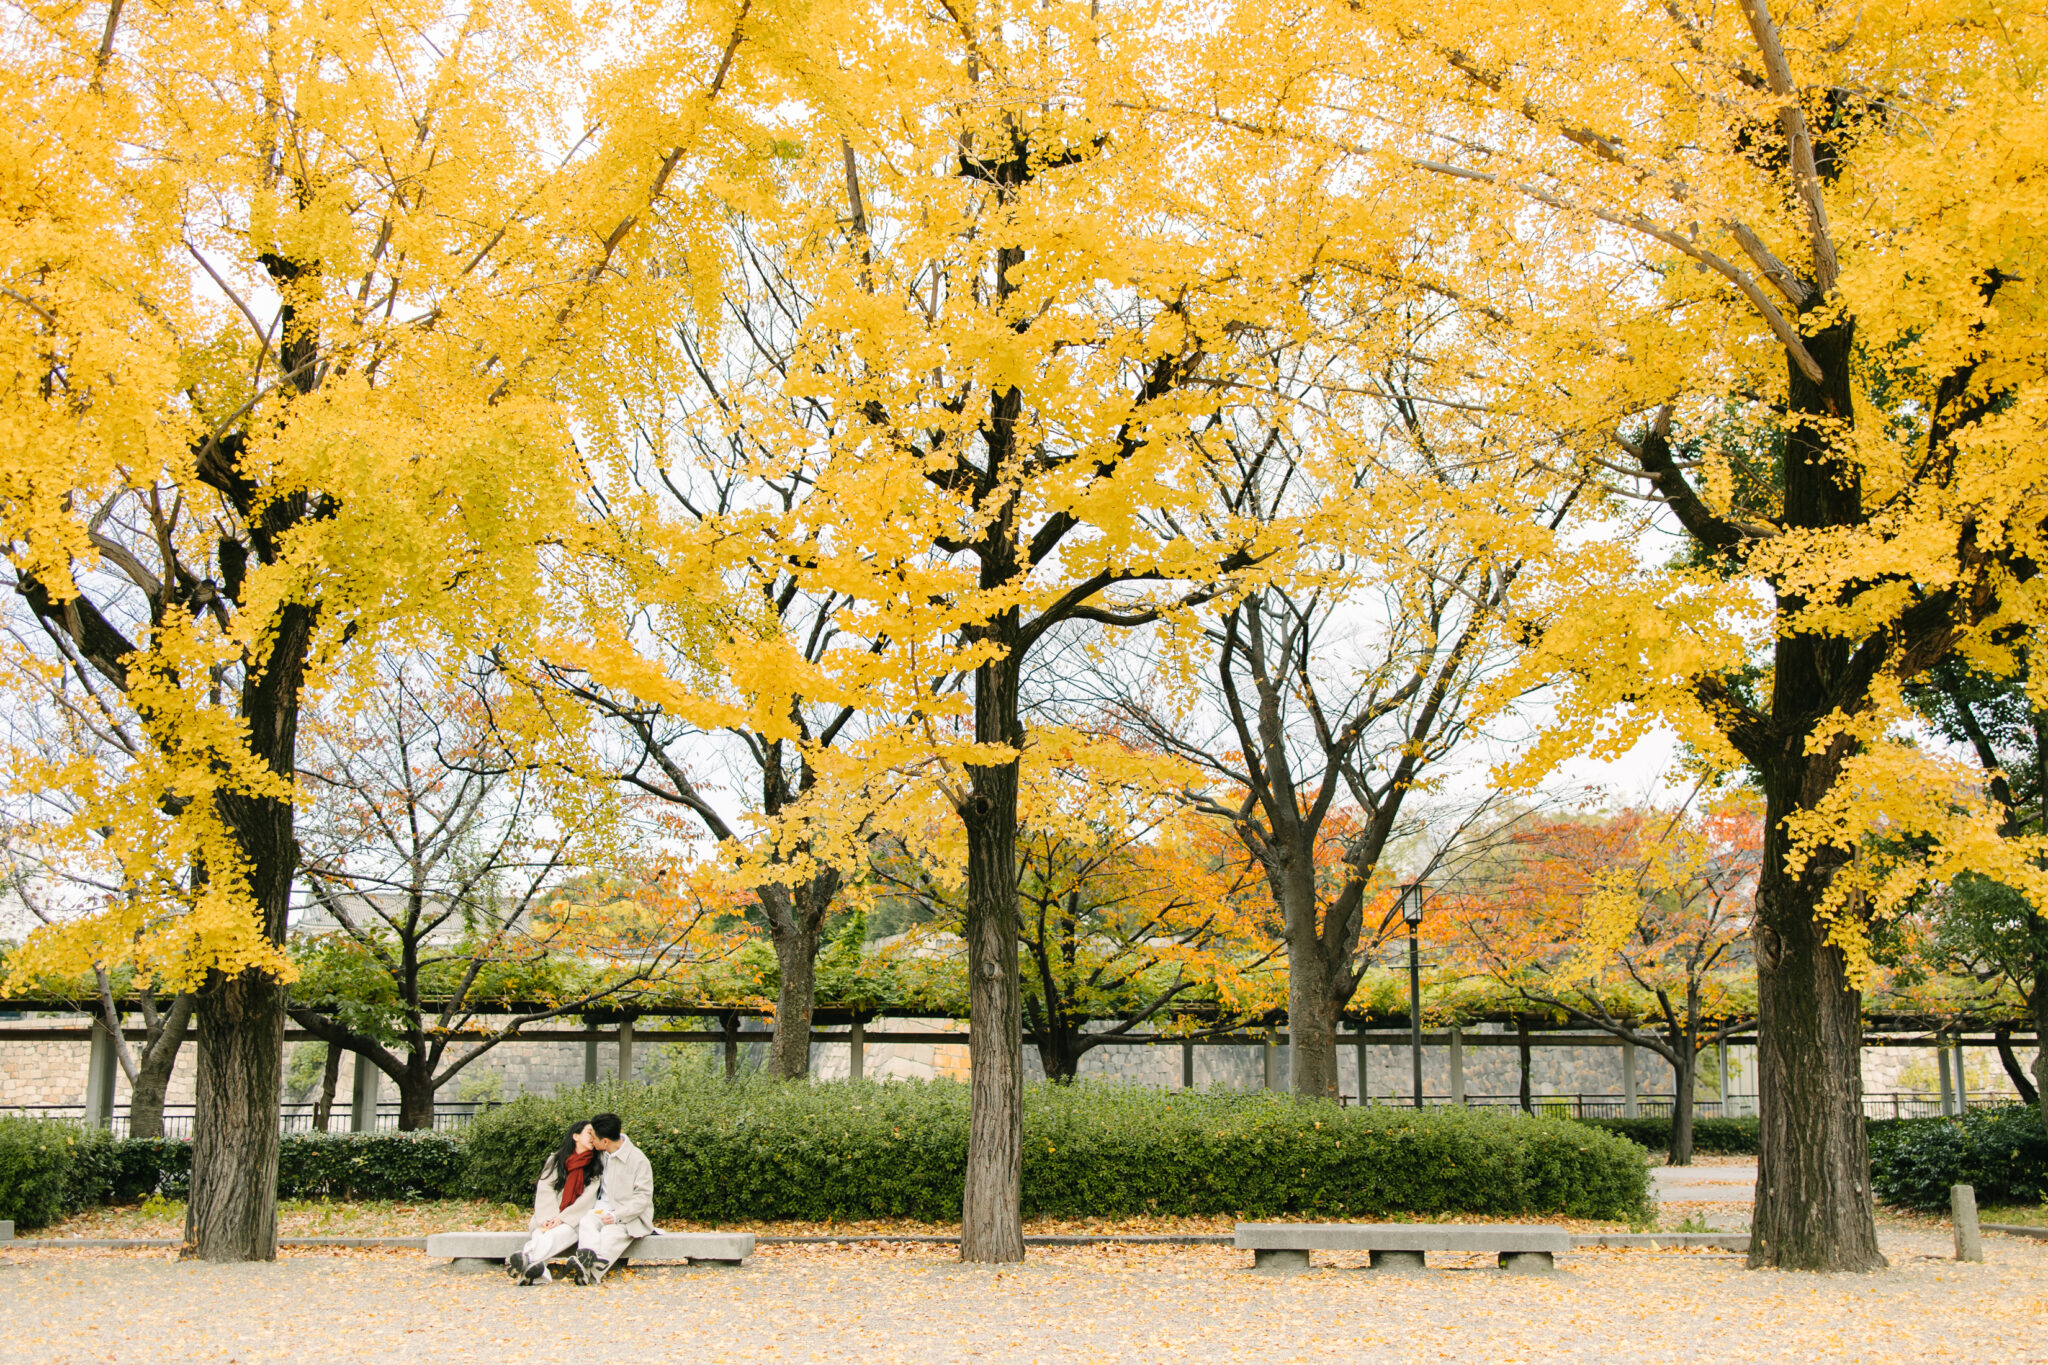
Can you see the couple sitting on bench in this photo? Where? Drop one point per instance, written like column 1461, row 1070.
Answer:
column 596, row 1194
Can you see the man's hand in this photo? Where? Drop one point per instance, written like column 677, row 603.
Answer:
column 604, row 1216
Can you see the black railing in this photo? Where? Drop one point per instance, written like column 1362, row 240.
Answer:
column 1904, row 1104
column 292, row 1118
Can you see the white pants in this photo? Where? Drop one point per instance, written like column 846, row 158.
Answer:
column 608, row 1240
column 547, row 1243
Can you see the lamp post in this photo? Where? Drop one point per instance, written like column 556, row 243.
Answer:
column 1411, row 911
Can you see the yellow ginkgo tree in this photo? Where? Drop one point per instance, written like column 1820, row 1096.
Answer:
column 1777, row 273
column 1035, row 296
column 283, row 291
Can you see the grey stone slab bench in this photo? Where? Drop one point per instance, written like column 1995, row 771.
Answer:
column 1401, row 1246
column 476, row 1250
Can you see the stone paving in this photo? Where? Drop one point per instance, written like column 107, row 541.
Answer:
column 1084, row 1304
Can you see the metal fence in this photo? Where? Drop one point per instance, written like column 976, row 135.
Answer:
column 1903, row 1104
column 292, row 1118
column 298, row 1118
column 1580, row 1106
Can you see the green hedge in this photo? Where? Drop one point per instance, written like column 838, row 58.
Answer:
column 2002, row 1153
column 759, row 1150
column 37, row 1157
column 85, row 1166
column 112, row 1170
column 1722, row 1137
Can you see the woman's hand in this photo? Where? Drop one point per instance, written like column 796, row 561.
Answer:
column 551, row 1223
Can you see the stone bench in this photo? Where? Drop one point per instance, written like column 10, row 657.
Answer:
column 1401, row 1246
column 478, row 1250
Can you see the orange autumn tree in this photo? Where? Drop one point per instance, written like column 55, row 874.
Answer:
column 1133, row 908
column 1637, row 918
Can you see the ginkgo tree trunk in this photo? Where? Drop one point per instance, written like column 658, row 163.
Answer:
column 279, row 312
column 1792, row 302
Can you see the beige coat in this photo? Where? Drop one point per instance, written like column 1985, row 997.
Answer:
column 628, row 1188
column 547, row 1201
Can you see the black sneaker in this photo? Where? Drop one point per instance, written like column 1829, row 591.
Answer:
column 515, row 1267
column 581, row 1267
column 534, row 1270
column 597, row 1269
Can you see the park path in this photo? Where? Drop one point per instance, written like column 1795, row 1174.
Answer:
column 1078, row 1305
column 1728, row 1183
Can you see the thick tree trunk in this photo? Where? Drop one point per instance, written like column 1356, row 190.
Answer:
column 1814, row 1209
column 1522, row 1048
column 1312, row 1013
column 991, row 1216
column 1312, row 1004
column 1685, row 1073
column 415, row 1097
column 330, row 1078
column 2040, row 1004
column 729, row 1025
column 789, row 1054
column 1058, row 1052
column 153, row 1075
column 2016, row 1073
column 232, row 1212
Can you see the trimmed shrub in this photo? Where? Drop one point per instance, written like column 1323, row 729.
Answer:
column 99, row 1169
column 1722, row 1137
column 36, row 1161
column 760, row 1150
column 141, row 1167
column 2002, row 1152
column 424, row 1165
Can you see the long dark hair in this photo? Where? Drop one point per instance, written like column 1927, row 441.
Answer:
column 558, row 1164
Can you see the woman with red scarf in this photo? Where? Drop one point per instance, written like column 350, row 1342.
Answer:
column 567, row 1190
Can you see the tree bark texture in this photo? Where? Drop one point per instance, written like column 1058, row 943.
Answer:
column 1522, row 1050
column 232, row 1211
column 330, row 1078
column 153, row 1073
column 1685, row 1070
column 796, row 994
column 1317, row 990
column 416, row 1094
column 991, row 1217
column 2040, row 1004
column 1814, row 1209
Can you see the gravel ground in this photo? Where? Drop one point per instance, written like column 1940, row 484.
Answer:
column 1085, row 1304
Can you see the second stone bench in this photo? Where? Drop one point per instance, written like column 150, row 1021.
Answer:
column 1402, row 1246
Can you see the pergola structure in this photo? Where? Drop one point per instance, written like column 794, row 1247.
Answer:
column 621, row 1031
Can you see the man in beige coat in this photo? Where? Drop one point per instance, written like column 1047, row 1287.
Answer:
column 625, row 1203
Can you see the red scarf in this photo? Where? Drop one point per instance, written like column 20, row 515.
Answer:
column 572, row 1179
